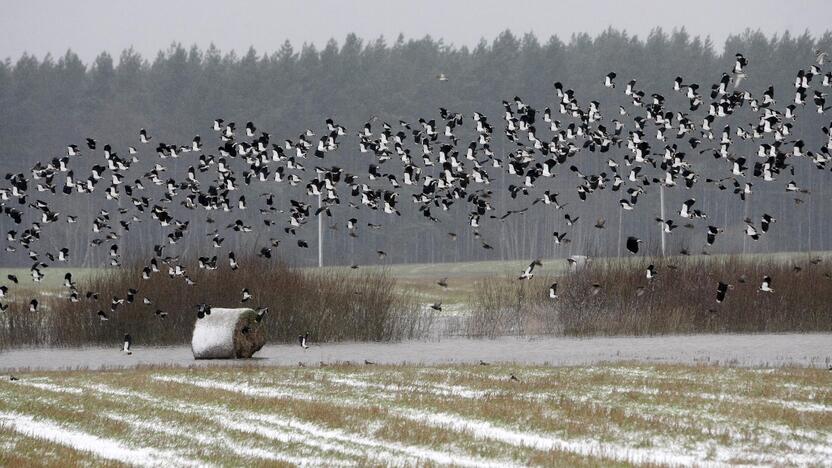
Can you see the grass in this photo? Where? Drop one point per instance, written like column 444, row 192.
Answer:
column 54, row 276
column 554, row 265
column 464, row 415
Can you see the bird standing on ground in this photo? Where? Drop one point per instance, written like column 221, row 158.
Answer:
column 766, row 285
column 128, row 342
column 553, row 291
column 303, row 340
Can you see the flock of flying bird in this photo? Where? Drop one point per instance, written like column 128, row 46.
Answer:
column 647, row 135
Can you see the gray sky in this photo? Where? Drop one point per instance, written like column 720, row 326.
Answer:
column 91, row 26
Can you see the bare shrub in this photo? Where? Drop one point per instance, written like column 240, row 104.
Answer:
column 616, row 298
column 330, row 304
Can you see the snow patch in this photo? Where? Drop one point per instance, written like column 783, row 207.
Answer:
column 82, row 441
column 214, row 439
column 50, row 387
column 585, row 447
column 420, row 453
column 240, row 387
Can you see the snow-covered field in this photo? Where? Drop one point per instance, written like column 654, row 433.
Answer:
column 769, row 350
column 465, row 415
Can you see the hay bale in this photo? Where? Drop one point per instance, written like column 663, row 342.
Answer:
column 227, row 334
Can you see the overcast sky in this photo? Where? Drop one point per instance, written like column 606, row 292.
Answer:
column 89, row 27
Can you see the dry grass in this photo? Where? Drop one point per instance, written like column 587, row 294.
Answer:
column 330, row 305
column 681, row 299
column 371, row 415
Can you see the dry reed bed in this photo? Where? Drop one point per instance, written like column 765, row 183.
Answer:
column 681, row 299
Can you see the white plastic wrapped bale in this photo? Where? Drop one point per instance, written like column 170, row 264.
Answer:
column 227, row 334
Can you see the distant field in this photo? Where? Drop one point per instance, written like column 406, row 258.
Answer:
column 449, row 415
column 558, row 265
column 462, row 276
column 54, row 277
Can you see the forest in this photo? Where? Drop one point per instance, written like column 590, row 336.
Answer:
column 47, row 103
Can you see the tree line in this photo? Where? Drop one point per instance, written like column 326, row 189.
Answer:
column 47, row 103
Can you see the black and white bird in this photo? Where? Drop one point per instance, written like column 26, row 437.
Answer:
column 721, row 291
column 202, row 310
column 687, row 208
column 766, row 221
column 751, row 231
column 632, row 244
column 713, row 231
column 766, row 285
column 143, row 136
column 553, row 291
column 528, row 273
column 128, row 342
column 246, row 295
column 261, row 312
column 303, row 340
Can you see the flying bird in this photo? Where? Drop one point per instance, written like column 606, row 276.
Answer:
column 632, row 244
column 528, row 273
column 721, row 291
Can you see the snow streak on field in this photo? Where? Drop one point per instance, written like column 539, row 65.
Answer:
column 401, row 415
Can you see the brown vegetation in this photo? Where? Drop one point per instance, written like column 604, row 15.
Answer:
column 332, row 305
column 681, row 299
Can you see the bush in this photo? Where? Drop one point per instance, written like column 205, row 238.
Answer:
column 681, row 299
column 330, row 304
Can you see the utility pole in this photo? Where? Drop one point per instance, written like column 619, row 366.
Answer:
column 320, row 228
column 661, row 203
column 744, row 217
column 620, row 210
